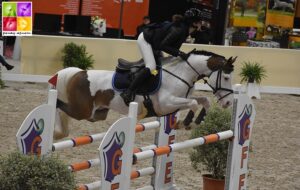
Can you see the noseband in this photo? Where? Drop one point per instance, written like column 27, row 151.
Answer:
column 218, row 85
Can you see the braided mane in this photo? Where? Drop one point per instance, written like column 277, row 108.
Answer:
column 206, row 53
column 227, row 65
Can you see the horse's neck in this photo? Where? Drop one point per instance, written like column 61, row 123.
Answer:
column 181, row 69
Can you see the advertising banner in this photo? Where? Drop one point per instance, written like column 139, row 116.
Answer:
column 56, row 7
column 133, row 12
column 280, row 13
column 248, row 13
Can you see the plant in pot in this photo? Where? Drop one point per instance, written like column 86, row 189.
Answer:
column 76, row 56
column 252, row 73
column 29, row 172
column 212, row 157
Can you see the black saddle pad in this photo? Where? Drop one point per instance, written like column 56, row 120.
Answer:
column 121, row 81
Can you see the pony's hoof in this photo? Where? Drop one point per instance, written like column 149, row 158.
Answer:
column 188, row 127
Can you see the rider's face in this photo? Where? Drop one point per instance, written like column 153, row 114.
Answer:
column 195, row 26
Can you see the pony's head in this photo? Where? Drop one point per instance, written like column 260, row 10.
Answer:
column 220, row 79
column 219, row 75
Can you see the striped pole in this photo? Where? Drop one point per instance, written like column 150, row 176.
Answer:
column 183, row 145
column 134, row 175
column 75, row 167
column 83, row 140
column 90, row 186
column 142, row 172
column 149, row 187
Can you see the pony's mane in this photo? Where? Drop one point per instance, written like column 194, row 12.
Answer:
column 206, row 53
column 227, row 68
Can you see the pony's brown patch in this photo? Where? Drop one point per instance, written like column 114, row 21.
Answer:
column 79, row 96
column 215, row 63
column 104, row 97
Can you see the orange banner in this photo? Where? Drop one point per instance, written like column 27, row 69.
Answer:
column 55, row 6
column 133, row 12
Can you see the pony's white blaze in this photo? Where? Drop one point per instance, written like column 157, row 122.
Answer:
column 90, row 94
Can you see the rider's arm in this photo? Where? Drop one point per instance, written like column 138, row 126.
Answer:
column 172, row 42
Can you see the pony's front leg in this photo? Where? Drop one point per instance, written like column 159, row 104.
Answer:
column 204, row 101
column 177, row 103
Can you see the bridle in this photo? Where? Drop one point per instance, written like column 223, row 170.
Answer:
column 201, row 76
column 218, row 85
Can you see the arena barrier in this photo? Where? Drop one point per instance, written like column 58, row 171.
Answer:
column 117, row 151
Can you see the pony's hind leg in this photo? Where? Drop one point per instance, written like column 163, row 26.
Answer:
column 99, row 114
column 61, row 128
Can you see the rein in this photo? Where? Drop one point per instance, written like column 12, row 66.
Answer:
column 181, row 79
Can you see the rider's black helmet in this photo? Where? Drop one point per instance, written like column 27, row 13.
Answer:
column 192, row 15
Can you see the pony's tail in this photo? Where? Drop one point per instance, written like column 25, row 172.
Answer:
column 61, row 79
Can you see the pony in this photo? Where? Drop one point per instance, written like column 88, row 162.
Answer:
column 89, row 95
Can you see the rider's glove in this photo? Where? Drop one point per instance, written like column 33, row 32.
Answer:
column 183, row 55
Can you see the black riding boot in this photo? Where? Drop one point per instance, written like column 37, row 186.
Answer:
column 129, row 94
column 5, row 64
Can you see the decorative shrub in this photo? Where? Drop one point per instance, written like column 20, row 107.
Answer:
column 24, row 172
column 252, row 72
column 76, row 56
column 212, row 157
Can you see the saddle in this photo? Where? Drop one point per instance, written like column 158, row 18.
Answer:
column 125, row 73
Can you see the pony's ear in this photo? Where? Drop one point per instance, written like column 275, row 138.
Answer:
column 228, row 67
column 229, row 60
column 233, row 60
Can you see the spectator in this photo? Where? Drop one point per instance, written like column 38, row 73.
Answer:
column 5, row 64
column 140, row 28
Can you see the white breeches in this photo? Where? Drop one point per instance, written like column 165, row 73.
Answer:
column 147, row 52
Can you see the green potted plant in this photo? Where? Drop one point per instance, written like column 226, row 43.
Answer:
column 252, row 73
column 76, row 56
column 212, row 157
column 29, row 172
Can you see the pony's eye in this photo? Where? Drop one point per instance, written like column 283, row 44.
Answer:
column 226, row 78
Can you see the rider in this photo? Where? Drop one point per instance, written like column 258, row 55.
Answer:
column 169, row 39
